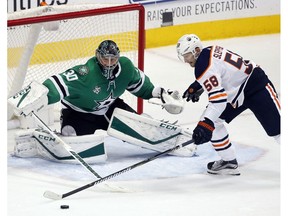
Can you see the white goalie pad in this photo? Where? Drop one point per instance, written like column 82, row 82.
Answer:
column 39, row 143
column 149, row 133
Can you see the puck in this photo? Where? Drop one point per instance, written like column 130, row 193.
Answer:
column 64, row 206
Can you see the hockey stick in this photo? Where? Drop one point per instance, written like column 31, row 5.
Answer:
column 66, row 146
column 73, row 153
column 55, row 196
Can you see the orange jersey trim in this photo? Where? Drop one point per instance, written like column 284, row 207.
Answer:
column 218, row 96
column 274, row 96
column 221, row 144
column 208, row 65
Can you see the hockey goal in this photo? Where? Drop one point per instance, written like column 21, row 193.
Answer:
column 49, row 40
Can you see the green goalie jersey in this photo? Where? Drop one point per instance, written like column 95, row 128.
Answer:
column 83, row 88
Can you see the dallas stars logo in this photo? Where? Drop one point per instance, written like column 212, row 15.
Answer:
column 104, row 103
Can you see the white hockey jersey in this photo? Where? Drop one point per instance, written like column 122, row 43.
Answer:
column 223, row 75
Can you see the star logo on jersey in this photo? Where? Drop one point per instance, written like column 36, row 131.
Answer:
column 105, row 103
column 97, row 89
column 83, row 70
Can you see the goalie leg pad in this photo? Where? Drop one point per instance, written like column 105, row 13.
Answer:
column 149, row 133
column 26, row 145
column 41, row 144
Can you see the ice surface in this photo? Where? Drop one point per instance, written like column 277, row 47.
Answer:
column 169, row 185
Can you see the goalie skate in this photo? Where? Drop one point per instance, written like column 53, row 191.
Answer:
column 222, row 167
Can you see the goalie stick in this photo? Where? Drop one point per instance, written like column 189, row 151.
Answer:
column 55, row 196
column 75, row 154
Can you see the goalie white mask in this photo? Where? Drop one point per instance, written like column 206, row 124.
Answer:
column 108, row 55
column 188, row 44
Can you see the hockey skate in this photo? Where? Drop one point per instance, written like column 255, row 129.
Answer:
column 222, row 167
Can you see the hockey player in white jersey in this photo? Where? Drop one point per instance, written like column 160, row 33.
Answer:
column 233, row 85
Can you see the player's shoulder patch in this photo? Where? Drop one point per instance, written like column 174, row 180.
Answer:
column 83, row 70
column 203, row 62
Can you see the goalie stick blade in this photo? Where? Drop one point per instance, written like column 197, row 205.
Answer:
column 52, row 195
column 111, row 188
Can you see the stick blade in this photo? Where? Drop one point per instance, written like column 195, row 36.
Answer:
column 52, row 195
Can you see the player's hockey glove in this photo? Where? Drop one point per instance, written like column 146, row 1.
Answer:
column 193, row 92
column 203, row 131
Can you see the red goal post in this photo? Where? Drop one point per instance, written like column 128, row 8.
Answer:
column 48, row 40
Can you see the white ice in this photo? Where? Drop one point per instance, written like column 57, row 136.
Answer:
column 169, row 185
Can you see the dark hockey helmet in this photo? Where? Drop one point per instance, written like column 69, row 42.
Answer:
column 108, row 55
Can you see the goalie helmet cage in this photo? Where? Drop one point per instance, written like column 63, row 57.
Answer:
column 51, row 39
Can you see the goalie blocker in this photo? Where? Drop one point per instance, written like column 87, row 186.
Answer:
column 31, row 98
column 149, row 133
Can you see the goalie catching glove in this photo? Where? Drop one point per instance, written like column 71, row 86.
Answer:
column 31, row 98
column 170, row 100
